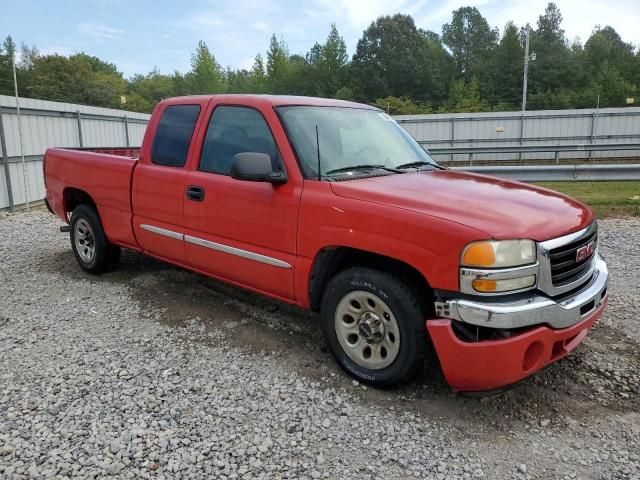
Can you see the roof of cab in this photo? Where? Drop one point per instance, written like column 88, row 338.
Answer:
column 281, row 100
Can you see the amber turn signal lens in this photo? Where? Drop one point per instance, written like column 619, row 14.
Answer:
column 482, row 285
column 480, row 255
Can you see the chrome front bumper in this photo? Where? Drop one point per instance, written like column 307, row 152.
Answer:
column 532, row 310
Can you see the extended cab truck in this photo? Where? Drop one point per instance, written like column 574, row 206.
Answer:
column 331, row 206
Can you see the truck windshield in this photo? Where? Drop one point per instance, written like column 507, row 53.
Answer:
column 350, row 140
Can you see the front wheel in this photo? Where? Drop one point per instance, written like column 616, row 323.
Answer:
column 89, row 243
column 374, row 326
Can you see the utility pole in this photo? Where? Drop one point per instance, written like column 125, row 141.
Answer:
column 24, row 170
column 526, row 72
column 527, row 57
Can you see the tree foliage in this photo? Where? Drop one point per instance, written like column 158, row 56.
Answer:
column 7, row 52
column 400, row 106
column 471, row 41
column 396, row 65
column 206, row 74
column 507, row 67
column 395, row 58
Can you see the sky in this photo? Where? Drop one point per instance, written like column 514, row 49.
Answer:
column 138, row 35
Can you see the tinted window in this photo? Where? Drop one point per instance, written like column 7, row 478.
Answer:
column 233, row 130
column 173, row 135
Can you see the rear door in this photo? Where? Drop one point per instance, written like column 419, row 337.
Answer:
column 160, row 177
column 242, row 231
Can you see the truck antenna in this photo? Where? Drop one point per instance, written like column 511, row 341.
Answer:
column 318, row 147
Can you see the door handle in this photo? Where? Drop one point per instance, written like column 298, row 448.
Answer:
column 195, row 193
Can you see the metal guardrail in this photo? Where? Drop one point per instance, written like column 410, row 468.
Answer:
column 520, row 149
column 560, row 173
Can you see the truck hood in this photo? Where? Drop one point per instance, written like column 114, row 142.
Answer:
column 501, row 208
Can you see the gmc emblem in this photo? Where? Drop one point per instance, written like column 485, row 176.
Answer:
column 586, row 251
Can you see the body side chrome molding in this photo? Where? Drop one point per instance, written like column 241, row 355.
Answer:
column 162, row 231
column 257, row 257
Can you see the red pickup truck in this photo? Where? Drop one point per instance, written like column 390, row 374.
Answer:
column 331, row 206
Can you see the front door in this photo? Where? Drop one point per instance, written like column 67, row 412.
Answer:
column 242, row 231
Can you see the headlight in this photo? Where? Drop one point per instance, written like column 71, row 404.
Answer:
column 499, row 254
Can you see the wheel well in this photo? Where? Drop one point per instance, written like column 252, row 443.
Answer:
column 332, row 260
column 74, row 197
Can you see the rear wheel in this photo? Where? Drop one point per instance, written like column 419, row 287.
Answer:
column 89, row 243
column 374, row 326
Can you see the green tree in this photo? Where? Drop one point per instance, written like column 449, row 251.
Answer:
column 146, row 90
column 400, row 106
column 301, row 79
column 331, row 64
column 465, row 97
column 471, row 41
column 72, row 79
column 7, row 53
column 555, row 67
column 239, row 81
column 278, row 66
column 344, row 93
column 507, row 69
column 610, row 64
column 258, row 75
column 206, row 74
column 394, row 58
column 96, row 64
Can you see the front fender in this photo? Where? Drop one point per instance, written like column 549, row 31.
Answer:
column 430, row 245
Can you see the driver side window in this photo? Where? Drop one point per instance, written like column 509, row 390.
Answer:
column 233, row 130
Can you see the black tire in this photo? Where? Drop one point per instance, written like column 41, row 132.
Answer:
column 105, row 256
column 405, row 306
column 114, row 256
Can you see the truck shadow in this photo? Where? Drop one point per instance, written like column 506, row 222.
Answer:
column 249, row 321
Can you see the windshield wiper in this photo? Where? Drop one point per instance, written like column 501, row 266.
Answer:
column 362, row 167
column 419, row 163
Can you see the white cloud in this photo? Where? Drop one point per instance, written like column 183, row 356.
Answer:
column 247, row 63
column 360, row 13
column 203, row 21
column 442, row 14
column 100, row 31
column 262, row 26
column 56, row 49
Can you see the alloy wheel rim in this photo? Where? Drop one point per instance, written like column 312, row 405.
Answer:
column 85, row 244
column 367, row 330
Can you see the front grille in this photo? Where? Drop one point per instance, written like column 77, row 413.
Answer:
column 565, row 268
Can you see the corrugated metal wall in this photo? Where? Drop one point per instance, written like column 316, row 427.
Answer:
column 544, row 127
column 53, row 124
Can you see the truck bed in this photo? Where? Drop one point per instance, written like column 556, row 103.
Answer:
column 105, row 174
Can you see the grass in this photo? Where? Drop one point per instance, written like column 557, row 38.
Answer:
column 608, row 199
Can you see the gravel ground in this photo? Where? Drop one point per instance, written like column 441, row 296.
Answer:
column 154, row 372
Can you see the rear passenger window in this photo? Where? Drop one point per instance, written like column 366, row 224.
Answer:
column 173, row 135
column 233, row 130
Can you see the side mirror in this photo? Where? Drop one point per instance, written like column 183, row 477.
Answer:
column 255, row 167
